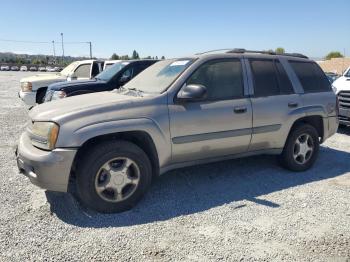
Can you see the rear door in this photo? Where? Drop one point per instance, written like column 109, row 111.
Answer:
column 273, row 102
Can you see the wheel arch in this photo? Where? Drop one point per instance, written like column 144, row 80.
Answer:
column 140, row 138
column 314, row 120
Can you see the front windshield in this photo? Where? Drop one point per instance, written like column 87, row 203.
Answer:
column 69, row 69
column 158, row 77
column 347, row 74
column 110, row 72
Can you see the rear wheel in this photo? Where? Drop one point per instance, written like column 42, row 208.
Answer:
column 301, row 149
column 113, row 176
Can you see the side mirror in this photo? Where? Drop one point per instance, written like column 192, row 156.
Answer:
column 71, row 77
column 192, row 93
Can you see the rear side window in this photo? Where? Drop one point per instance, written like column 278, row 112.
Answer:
column 311, row 77
column 264, row 77
column 222, row 78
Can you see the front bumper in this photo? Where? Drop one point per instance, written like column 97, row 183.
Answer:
column 47, row 169
column 28, row 97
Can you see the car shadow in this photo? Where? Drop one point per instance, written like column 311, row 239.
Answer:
column 199, row 188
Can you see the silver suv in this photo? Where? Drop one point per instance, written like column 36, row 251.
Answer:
column 176, row 113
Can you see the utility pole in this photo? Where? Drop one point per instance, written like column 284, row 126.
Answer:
column 54, row 51
column 90, row 50
column 62, row 48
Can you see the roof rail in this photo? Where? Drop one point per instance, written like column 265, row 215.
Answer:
column 242, row 50
column 215, row 50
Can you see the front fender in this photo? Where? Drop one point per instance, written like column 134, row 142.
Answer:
column 76, row 138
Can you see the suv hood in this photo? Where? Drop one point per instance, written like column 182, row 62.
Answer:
column 342, row 83
column 75, row 83
column 84, row 104
column 42, row 77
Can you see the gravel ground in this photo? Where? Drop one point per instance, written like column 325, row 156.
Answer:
column 244, row 209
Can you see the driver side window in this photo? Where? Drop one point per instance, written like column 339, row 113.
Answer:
column 222, row 78
column 128, row 73
column 83, row 71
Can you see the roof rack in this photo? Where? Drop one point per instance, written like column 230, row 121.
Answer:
column 242, row 50
column 215, row 50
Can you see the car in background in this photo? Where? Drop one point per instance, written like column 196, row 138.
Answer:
column 33, row 88
column 57, row 69
column 23, row 68
column 112, row 78
column 33, row 69
column 4, row 68
column 341, row 87
column 14, row 68
column 332, row 76
column 42, row 69
column 109, row 63
column 50, row 69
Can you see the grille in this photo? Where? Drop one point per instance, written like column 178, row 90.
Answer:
column 344, row 99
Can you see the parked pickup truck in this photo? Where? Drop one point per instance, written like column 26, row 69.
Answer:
column 109, row 146
column 341, row 87
column 112, row 78
column 33, row 88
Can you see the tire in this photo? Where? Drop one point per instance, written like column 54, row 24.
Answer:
column 97, row 187
column 292, row 155
column 40, row 97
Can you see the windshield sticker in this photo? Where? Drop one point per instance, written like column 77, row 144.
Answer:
column 180, row 63
column 125, row 63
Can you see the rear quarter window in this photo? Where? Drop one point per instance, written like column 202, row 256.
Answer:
column 311, row 77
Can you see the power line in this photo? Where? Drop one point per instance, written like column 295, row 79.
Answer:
column 42, row 42
column 24, row 41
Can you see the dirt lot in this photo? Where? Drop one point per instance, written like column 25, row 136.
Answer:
column 245, row 209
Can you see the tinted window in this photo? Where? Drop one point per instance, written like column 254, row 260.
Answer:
column 128, row 73
column 283, row 81
column 311, row 77
column 95, row 69
column 264, row 77
column 83, row 71
column 223, row 79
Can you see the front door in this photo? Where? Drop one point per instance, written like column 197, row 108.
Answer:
column 218, row 126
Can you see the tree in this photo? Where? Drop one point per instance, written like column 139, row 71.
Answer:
column 135, row 55
column 163, row 57
column 115, row 57
column 334, row 54
column 279, row 50
column 124, row 57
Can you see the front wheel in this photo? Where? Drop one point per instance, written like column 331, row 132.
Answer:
column 301, row 149
column 113, row 176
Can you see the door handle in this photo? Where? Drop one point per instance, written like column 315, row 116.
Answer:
column 240, row 109
column 292, row 104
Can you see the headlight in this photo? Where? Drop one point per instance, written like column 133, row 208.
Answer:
column 26, row 86
column 58, row 95
column 44, row 134
column 334, row 89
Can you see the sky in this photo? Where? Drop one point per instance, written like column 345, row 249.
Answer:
column 175, row 28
